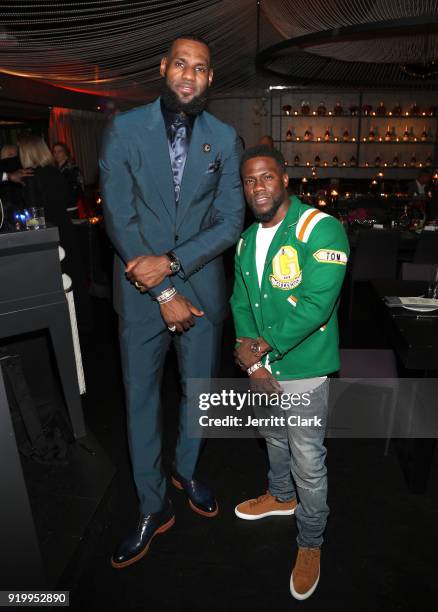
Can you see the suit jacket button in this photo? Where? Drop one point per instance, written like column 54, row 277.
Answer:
column 176, row 238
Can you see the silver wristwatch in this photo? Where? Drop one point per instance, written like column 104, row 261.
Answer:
column 175, row 264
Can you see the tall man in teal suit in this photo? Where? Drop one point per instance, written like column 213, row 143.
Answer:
column 172, row 203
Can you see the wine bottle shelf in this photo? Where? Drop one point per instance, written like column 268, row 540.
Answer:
column 330, row 117
column 362, row 142
column 370, row 167
column 320, row 142
column 358, row 113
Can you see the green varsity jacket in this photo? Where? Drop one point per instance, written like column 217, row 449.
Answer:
column 295, row 309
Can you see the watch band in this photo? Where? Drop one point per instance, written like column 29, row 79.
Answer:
column 254, row 367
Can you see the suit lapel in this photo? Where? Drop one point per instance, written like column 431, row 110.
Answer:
column 196, row 163
column 157, row 156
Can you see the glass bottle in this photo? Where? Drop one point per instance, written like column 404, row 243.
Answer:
column 346, row 136
column 317, row 160
column 372, row 135
column 413, row 162
column 289, row 135
column 406, row 135
column 338, row 110
column 353, row 161
column 287, row 108
column 335, row 161
column 396, row 161
column 305, row 107
column 428, row 161
column 321, row 110
column 378, row 161
column 327, row 135
column 388, row 135
column 423, row 136
column 308, row 135
column 404, row 220
column 381, row 110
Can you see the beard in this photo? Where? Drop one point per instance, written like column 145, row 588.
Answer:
column 171, row 101
column 268, row 215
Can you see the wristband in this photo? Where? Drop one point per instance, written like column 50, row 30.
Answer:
column 166, row 295
column 254, row 367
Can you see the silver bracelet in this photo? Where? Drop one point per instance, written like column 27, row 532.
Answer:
column 254, row 367
column 166, row 295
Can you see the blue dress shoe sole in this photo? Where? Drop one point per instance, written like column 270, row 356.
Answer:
column 141, row 554
column 179, row 486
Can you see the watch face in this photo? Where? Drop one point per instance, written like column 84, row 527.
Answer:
column 174, row 266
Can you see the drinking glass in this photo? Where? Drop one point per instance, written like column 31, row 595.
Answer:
column 432, row 288
column 35, row 220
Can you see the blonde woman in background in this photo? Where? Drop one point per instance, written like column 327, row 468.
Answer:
column 49, row 189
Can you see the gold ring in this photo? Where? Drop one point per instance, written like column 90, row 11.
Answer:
column 171, row 328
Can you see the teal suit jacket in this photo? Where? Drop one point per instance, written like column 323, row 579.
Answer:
column 141, row 217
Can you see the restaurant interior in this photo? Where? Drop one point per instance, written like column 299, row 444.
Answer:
column 348, row 92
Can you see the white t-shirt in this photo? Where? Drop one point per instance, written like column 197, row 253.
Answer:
column 263, row 242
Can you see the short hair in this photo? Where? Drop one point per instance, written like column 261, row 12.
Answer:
column 34, row 151
column 264, row 151
column 194, row 37
column 63, row 146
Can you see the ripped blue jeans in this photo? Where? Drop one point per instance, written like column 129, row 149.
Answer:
column 297, row 466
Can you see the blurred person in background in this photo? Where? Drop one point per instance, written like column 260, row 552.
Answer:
column 421, row 185
column 48, row 188
column 267, row 140
column 10, row 188
column 73, row 175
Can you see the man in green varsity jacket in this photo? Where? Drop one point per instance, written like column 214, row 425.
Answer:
column 289, row 269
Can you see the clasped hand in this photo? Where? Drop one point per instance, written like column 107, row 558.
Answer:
column 245, row 358
column 148, row 270
column 179, row 313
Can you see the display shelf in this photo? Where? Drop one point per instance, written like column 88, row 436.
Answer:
column 370, row 167
column 362, row 116
column 320, row 142
column 362, row 142
column 401, row 143
column 358, row 125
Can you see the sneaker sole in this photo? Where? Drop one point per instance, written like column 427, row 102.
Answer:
column 255, row 517
column 302, row 596
column 140, row 555
column 179, row 486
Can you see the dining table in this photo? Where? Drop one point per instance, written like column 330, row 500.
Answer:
column 413, row 336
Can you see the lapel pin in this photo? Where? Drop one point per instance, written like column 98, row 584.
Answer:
column 207, row 147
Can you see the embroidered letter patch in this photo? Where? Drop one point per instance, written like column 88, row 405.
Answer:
column 286, row 273
column 330, row 256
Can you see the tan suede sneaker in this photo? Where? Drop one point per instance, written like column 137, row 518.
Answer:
column 265, row 505
column 305, row 574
